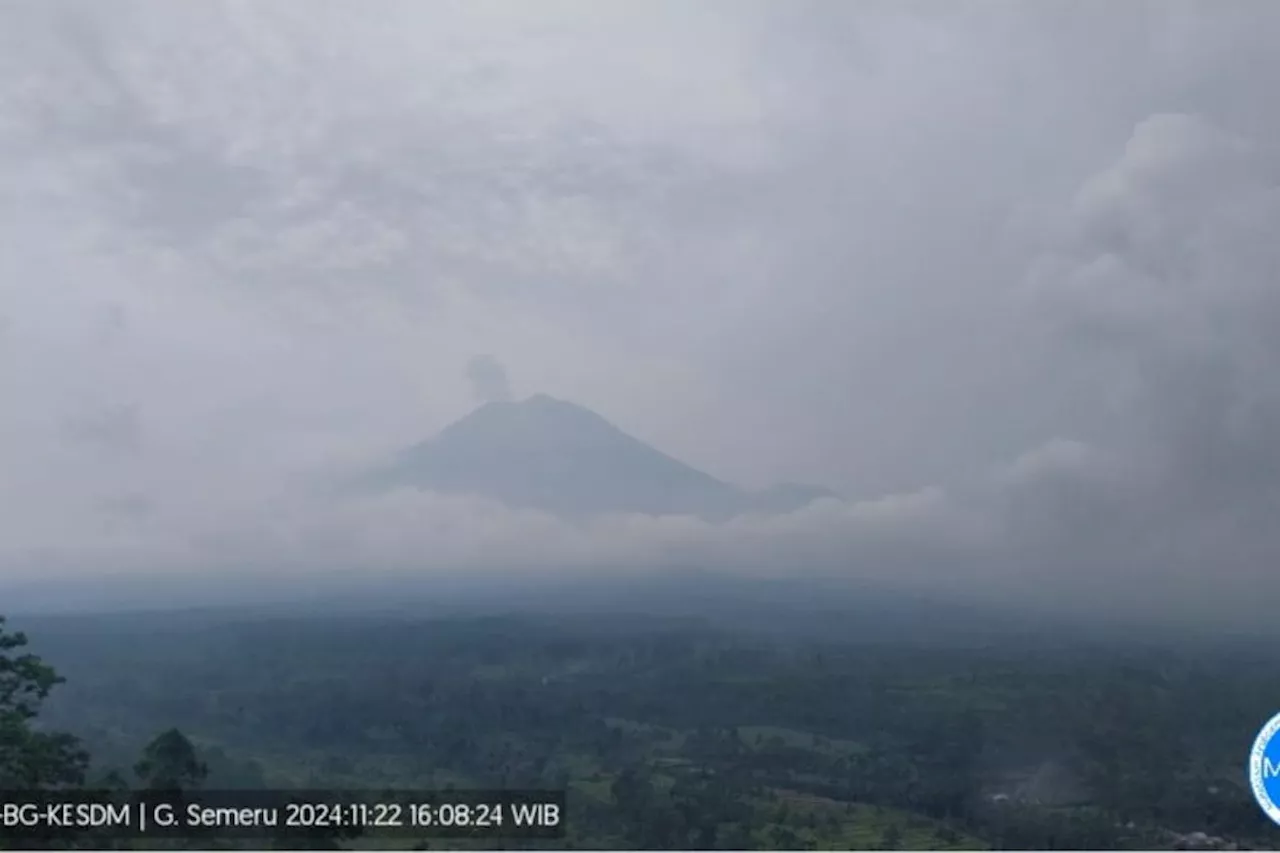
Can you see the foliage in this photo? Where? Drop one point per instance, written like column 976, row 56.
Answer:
column 673, row 735
column 31, row 759
column 169, row 763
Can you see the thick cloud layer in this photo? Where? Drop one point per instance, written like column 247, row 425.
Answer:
column 1006, row 274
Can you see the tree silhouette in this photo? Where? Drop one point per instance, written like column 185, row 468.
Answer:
column 31, row 760
column 170, row 763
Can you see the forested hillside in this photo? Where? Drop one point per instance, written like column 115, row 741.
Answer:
column 668, row 733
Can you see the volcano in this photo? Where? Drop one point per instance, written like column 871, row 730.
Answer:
column 556, row 456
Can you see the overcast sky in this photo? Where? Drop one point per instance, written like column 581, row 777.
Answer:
column 1006, row 274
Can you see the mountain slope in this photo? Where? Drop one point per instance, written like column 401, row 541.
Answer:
column 556, row 456
column 559, row 457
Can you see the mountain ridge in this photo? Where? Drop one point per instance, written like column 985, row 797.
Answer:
column 554, row 455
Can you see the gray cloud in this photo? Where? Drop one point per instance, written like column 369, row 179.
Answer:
column 488, row 379
column 116, row 430
column 1018, row 303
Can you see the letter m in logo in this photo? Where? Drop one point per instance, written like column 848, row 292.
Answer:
column 1270, row 769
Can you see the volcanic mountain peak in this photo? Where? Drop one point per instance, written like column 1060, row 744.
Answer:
column 557, row 456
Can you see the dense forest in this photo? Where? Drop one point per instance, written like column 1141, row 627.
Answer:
column 666, row 733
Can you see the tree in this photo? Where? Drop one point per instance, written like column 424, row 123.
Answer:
column 31, row 760
column 169, row 763
column 783, row 838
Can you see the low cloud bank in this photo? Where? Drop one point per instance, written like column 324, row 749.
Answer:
column 1061, row 527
